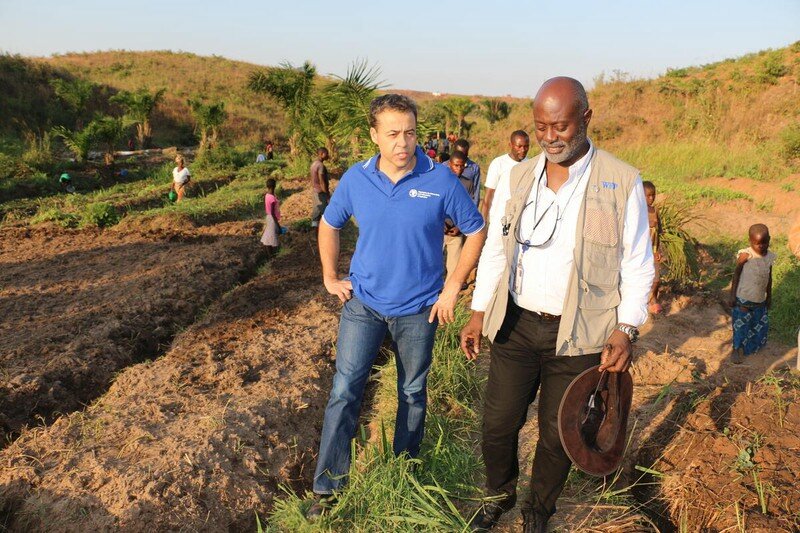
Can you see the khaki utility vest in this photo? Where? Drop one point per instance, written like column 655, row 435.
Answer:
column 590, row 306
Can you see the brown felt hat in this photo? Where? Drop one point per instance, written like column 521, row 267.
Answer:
column 592, row 420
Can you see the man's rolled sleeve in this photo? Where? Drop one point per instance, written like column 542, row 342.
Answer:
column 340, row 208
column 460, row 208
column 636, row 268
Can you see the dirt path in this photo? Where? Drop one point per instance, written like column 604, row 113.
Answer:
column 683, row 355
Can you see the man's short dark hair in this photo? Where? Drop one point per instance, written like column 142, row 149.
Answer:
column 458, row 154
column 271, row 183
column 519, row 134
column 390, row 102
column 322, row 150
column 649, row 185
column 461, row 145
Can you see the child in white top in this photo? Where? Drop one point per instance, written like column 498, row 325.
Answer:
column 180, row 177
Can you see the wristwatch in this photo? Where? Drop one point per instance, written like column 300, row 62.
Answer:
column 630, row 331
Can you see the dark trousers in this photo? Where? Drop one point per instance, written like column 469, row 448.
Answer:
column 523, row 361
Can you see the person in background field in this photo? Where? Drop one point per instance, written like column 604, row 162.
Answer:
column 453, row 238
column 442, row 158
column 471, row 171
column 562, row 287
column 319, row 182
column 655, row 236
column 500, row 167
column 399, row 198
column 260, row 158
column 272, row 223
column 180, row 177
column 269, row 149
column 751, row 294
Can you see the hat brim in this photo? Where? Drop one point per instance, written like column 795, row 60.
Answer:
column 571, row 414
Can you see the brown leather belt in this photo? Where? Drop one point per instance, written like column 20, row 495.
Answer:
column 547, row 317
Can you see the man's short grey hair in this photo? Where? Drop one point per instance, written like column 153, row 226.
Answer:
column 390, row 102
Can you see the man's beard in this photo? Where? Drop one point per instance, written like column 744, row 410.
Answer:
column 571, row 148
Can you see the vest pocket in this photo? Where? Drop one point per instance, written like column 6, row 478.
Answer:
column 592, row 296
column 600, row 225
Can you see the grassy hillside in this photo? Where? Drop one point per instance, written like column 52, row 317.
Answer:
column 738, row 118
column 29, row 101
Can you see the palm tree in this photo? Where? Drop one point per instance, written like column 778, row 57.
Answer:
column 79, row 142
column 208, row 118
column 75, row 93
column 457, row 109
column 108, row 132
column 292, row 88
column 495, row 109
column 139, row 106
column 348, row 100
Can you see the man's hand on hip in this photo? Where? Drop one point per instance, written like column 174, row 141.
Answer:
column 342, row 288
column 471, row 336
column 444, row 308
column 616, row 356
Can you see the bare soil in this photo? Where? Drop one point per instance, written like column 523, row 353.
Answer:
column 77, row 306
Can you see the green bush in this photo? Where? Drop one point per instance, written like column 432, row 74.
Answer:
column 772, row 69
column 65, row 220
column 222, row 157
column 790, row 142
column 8, row 166
column 100, row 214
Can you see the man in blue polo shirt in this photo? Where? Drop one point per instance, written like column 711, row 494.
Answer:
column 400, row 199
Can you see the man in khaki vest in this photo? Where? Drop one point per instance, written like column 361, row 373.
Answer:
column 562, row 285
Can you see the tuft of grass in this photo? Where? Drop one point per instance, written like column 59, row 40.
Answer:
column 677, row 244
column 388, row 493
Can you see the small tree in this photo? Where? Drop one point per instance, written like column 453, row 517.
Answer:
column 75, row 93
column 291, row 87
column 139, row 106
column 495, row 109
column 208, row 118
column 78, row 142
column 457, row 109
column 108, row 132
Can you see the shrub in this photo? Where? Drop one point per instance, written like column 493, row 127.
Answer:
column 65, row 220
column 222, row 157
column 677, row 244
column 100, row 214
column 790, row 142
column 772, row 69
column 8, row 166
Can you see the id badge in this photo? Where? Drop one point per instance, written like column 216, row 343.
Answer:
column 519, row 273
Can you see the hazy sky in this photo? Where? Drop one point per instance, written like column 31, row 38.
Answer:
column 470, row 47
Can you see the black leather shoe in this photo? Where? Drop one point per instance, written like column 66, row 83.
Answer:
column 322, row 504
column 490, row 513
column 533, row 522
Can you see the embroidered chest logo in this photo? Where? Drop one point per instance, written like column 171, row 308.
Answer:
column 609, row 185
column 414, row 193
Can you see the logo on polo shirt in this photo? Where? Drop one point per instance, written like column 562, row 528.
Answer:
column 414, row 193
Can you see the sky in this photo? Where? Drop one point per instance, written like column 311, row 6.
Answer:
column 467, row 47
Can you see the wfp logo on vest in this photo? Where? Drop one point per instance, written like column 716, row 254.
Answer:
column 414, row 193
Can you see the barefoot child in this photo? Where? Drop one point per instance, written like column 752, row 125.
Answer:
column 751, row 294
column 272, row 226
column 655, row 236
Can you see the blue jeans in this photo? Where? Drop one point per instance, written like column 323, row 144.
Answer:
column 361, row 332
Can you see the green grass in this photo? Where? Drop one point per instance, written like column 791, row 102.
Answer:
column 388, row 493
column 671, row 163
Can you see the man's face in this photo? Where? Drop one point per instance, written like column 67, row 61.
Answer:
column 518, row 148
column 457, row 165
column 323, row 156
column 396, row 136
column 560, row 127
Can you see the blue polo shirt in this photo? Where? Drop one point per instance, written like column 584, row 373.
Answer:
column 397, row 266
